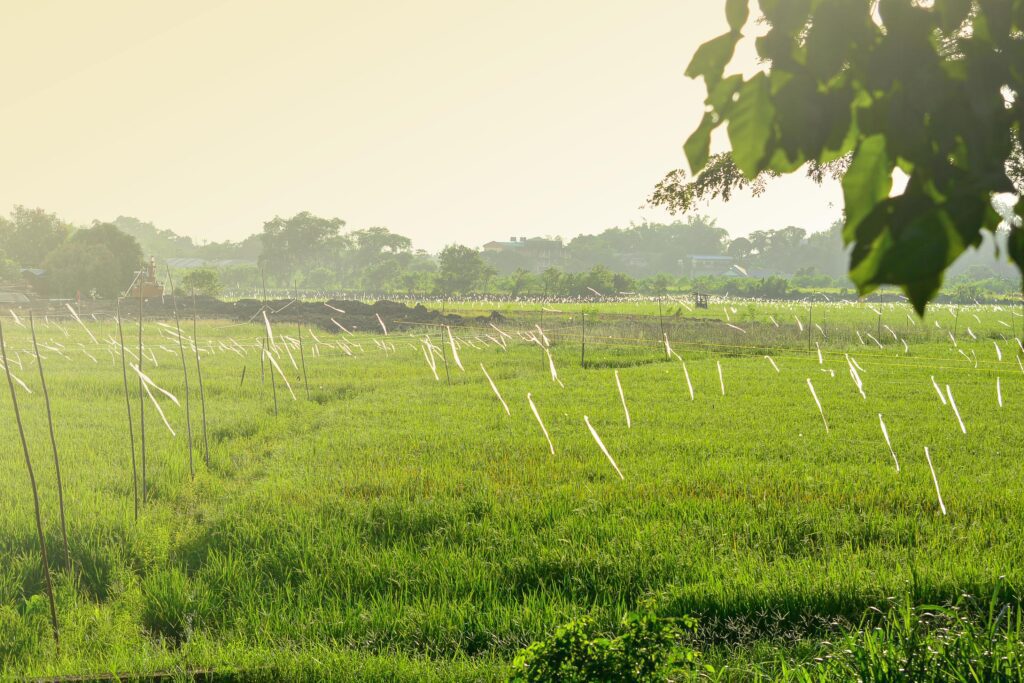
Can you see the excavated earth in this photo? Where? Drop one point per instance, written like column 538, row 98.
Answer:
column 353, row 315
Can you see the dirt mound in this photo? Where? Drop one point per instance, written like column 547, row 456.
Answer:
column 353, row 315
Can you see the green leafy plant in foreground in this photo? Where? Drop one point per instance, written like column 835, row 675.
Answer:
column 905, row 644
column 648, row 648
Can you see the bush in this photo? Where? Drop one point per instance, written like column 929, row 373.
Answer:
column 648, row 648
column 810, row 278
column 204, row 281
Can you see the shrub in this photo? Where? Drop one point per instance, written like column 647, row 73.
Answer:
column 648, row 648
column 205, row 281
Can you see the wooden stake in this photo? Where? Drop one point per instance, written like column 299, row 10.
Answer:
column 302, row 359
column 543, row 357
column 302, row 354
column 810, row 324
column 128, row 405
column 53, row 443
column 184, row 372
column 35, row 491
column 661, row 322
column 142, row 406
column 266, row 343
column 583, row 340
column 199, row 372
column 444, row 354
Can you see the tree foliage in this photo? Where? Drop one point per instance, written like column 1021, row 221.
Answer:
column 100, row 259
column 302, row 241
column 156, row 241
column 202, row 281
column 649, row 248
column 461, row 269
column 31, row 234
column 859, row 89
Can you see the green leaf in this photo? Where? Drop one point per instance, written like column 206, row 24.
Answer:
column 969, row 214
column 832, row 36
column 737, row 12
column 809, row 120
column 1015, row 242
column 907, row 241
column 870, row 241
column 835, row 147
column 952, row 13
column 720, row 96
column 997, row 15
column 751, row 125
column 920, row 292
column 867, row 182
column 895, row 93
column 787, row 15
column 711, row 58
column 1015, row 246
column 698, row 145
column 910, row 240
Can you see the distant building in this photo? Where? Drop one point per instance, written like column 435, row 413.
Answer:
column 189, row 263
column 34, row 279
column 723, row 266
column 534, row 253
column 9, row 298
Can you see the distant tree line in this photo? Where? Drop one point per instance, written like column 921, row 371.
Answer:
column 100, row 260
column 314, row 253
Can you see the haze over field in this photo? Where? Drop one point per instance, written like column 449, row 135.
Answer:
column 392, row 341
column 453, row 121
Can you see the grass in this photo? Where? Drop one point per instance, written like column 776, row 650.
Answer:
column 396, row 526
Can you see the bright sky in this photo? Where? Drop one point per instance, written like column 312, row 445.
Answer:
column 446, row 121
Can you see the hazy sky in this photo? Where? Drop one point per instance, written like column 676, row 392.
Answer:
column 447, row 121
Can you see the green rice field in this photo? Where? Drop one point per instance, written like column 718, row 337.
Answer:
column 384, row 523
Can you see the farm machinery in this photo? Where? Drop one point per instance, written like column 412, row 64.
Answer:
column 145, row 284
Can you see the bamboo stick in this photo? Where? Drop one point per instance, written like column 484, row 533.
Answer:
column 35, row 491
column 142, row 406
column 184, row 373
column 199, row 372
column 53, row 443
column 128, row 406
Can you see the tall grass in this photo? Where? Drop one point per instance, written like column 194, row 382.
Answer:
column 44, row 560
